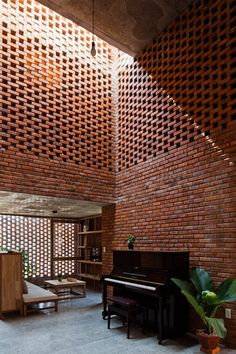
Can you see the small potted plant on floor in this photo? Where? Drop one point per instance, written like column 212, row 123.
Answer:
column 130, row 241
column 206, row 300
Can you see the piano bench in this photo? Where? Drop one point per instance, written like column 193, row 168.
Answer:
column 127, row 312
column 120, row 300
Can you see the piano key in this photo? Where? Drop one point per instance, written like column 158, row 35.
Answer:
column 129, row 284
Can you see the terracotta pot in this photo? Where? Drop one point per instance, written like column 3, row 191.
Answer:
column 209, row 342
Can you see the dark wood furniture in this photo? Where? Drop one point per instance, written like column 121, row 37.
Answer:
column 127, row 309
column 145, row 277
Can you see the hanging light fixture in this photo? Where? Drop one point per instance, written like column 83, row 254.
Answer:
column 93, row 48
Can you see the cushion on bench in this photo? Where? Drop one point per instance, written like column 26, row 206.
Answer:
column 122, row 300
column 37, row 294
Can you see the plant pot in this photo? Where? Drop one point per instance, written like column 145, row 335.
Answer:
column 59, row 278
column 209, row 342
column 130, row 246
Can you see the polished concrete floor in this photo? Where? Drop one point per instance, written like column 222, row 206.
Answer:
column 78, row 327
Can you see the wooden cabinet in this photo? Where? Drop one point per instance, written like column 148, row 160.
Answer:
column 10, row 282
column 89, row 250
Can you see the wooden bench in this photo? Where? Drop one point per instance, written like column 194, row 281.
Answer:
column 37, row 295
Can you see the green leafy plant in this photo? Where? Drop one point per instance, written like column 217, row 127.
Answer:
column 206, row 300
column 3, row 249
column 27, row 267
column 130, row 239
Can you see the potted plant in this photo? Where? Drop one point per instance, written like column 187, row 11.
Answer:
column 206, row 300
column 130, row 240
column 27, row 267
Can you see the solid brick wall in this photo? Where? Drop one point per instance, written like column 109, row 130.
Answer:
column 177, row 146
column 56, row 111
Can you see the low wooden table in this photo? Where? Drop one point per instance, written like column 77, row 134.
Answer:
column 65, row 289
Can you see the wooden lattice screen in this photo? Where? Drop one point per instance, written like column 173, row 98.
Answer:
column 34, row 235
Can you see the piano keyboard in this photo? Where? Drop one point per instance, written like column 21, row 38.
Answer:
column 128, row 284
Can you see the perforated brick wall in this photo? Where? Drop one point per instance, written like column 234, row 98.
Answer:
column 56, row 111
column 49, row 244
column 177, row 143
column 33, row 235
column 63, row 247
column 176, row 132
column 182, row 87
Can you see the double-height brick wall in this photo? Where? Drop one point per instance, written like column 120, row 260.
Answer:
column 175, row 180
column 175, row 186
column 57, row 119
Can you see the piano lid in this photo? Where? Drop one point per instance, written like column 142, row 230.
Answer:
column 150, row 266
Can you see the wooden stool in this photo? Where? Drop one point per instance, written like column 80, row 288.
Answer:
column 126, row 308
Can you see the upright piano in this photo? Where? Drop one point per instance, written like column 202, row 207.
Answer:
column 145, row 276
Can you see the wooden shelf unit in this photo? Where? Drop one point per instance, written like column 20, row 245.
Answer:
column 89, row 250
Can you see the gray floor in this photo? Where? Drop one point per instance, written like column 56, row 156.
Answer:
column 79, row 328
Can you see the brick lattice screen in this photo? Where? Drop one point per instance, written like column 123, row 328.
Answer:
column 182, row 87
column 63, row 248
column 56, row 107
column 50, row 244
column 175, row 184
column 32, row 235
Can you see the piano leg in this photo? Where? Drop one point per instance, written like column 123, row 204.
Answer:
column 169, row 324
column 160, row 320
column 164, row 319
column 104, row 301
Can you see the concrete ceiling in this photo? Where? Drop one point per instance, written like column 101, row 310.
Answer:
column 129, row 25
column 36, row 205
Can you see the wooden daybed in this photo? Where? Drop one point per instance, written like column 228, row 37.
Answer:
column 37, row 295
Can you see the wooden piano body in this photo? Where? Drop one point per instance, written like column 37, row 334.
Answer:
column 145, row 276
